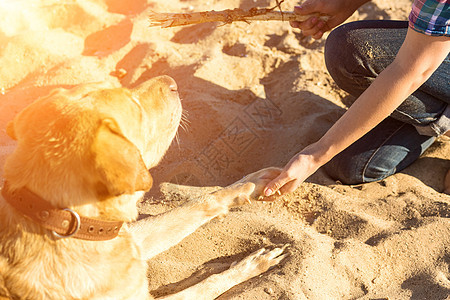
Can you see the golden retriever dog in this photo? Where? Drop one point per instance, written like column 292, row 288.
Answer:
column 68, row 213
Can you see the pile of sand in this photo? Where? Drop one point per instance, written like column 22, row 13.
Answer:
column 255, row 95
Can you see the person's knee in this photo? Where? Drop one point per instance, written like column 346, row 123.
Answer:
column 345, row 169
column 335, row 40
column 342, row 60
column 389, row 148
column 351, row 171
column 335, row 49
column 355, row 168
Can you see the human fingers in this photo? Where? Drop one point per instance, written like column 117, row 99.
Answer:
column 318, row 35
column 263, row 178
column 309, row 7
column 277, row 183
column 311, row 27
column 304, row 9
column 316, row 26
column 290, row 186
column 294, row 24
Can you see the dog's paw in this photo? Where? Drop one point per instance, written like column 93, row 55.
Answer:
column 259, row 262
column 252, row 185
column 241, row 192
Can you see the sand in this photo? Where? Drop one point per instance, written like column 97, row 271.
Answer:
column 254, row 94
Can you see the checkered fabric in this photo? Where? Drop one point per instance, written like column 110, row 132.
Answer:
column 431, row 17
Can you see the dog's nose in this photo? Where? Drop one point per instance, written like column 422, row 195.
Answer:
column 170, row 82
column 173, row 87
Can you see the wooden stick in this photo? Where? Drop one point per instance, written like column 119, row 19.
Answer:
column 226, row 16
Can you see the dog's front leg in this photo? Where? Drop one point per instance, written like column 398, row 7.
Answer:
column 158, row 233
column 217, row 284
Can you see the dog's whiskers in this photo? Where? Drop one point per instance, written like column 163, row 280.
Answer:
column 185, row 123
column 177, row 140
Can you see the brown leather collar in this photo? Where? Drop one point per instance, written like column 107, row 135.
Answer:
column 62, row 222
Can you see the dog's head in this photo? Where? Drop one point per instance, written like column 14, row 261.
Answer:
column 96, row 141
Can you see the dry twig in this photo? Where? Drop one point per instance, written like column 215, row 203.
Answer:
column 226, row 16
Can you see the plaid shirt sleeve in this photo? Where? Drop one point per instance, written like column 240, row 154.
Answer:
column 431, row 17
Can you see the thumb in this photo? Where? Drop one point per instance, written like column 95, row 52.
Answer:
column 276, row 184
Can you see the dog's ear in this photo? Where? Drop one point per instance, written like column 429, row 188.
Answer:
column 118, row 162
column 10, row 130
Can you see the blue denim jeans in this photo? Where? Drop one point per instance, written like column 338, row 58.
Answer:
column 355, row 53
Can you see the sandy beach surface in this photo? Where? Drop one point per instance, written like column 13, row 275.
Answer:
column 254, row 95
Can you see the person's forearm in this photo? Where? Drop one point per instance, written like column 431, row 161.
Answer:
column 386, row 93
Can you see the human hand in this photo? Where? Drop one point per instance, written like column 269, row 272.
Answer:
column 300, row 167
column 251, row 187
column 337, row 10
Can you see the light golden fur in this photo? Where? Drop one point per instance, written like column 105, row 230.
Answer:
column 89, row 149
